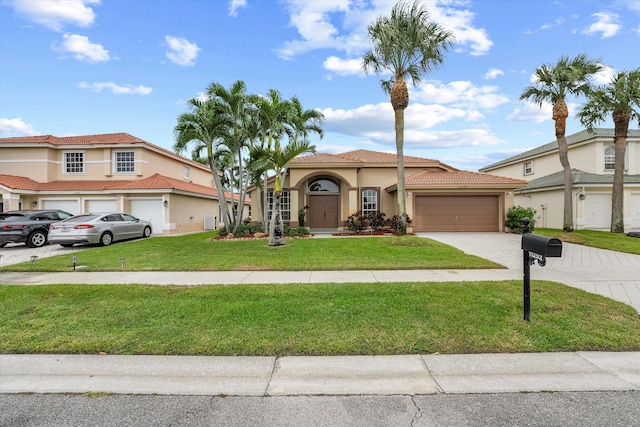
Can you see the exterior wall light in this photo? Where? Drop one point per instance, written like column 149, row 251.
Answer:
column 165, row 203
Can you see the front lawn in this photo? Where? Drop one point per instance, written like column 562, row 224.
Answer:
column 198, row 252
column 306, row 319
column 597, row 239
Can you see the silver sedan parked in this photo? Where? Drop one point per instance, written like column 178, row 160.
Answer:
column 100, row 228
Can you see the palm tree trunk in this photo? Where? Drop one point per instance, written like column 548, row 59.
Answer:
column 621, row 123
column 276, row 226
column 560, row 114
column 222, row 199
column 402, row 205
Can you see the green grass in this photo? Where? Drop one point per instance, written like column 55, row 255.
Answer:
column 305, row 319
column 198, row 252
column 598, row 239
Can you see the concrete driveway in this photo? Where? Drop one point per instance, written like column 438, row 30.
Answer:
column 615, row 275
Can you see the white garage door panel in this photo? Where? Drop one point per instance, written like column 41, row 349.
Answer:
column 70, row 206
column 102, row 206
column 597, row 211
column 635, row 211
column 150, row 210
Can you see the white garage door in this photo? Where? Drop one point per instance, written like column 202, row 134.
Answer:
column 71, row 206
column 150, row 210
column 597, row 212
column 102, row 205
column 634, row 211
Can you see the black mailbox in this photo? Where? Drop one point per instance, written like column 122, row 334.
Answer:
column 542, row 245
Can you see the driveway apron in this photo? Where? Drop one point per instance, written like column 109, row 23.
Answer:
column 615, row 275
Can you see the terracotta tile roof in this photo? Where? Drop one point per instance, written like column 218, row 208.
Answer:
column 18, row 182
column 110, row 138
column 460, row 178
column 94, row 140
column 323, row 158
column 366, row 157
column 154, row 182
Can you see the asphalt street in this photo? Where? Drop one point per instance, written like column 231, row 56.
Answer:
column 513, row 409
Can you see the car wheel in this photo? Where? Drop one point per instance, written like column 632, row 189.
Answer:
column 106, row 239
column 146, row 232
column 36, row 239
column 66, row 245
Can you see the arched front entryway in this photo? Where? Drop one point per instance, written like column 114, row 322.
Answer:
column 324, row 203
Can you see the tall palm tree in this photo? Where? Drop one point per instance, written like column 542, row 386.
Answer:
column 203, row 125
column 277, row 159
column 554, row 82
column 408, row 45
column 235, row 105
column 618, row 99
column 303, row 122
column 273, row 114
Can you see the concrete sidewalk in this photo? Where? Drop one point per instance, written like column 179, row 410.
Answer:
column 343, row 375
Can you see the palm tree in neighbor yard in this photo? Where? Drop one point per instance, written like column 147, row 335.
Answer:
column 618, row 99
column 553, row 83
column 408, row 45
column 277, row 159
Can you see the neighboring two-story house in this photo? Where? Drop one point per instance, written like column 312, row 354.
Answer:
column 438, row 196
column 112, row 172
column 591, row 156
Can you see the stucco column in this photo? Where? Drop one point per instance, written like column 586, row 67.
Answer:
column 294, row 197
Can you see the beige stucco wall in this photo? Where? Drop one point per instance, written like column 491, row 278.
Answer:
column 586, row 157
column 45, row 164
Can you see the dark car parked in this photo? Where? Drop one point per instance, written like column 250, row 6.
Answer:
column 30, row 227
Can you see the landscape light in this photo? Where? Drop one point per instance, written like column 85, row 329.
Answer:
column 33, row 260
column 74, row 260
column 122, row 259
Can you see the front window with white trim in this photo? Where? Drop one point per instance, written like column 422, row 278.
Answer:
column 73, row 162
column 125, row 162
column 186, row 172
column 528, row 167
column 285, row 205
column 369, row 202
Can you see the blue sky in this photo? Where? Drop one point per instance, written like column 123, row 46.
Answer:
column 77, row 67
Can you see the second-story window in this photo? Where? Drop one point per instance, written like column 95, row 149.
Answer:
column 187, row 171
column 609, row 158
column 73, row 162
column 125, row 162
column 528, row 167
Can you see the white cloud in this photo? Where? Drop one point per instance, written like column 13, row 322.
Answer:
column 82, row 49
column 55, row 14
column 234, row 5
column 181, row 51
column 605, row 76
column 376, row 122
column 16, row 127
column 531, row 112
column 343, row 67
column 116, row 89
column 342, row 25
column 462, row 94
column 606, row 24
column 493, row 73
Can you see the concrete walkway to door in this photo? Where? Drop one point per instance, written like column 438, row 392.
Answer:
column 615, row 275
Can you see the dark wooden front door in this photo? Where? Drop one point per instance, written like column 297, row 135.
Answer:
column 323, row 211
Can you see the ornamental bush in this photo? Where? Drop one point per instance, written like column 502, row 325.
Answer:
column 515, row 215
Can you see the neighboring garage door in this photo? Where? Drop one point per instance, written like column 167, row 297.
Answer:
column 635, row 211
column 102, row 205
column 150, row 210
column 456, row 213
column 70, row 206
column 597, row 212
